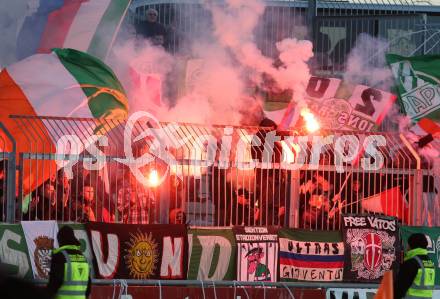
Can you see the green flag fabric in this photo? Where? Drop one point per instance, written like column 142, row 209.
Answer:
column 417, row 83
column 212, row 254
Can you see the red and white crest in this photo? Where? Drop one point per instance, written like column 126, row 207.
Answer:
column 373, row 251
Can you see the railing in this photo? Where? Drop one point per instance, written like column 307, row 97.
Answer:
column 237, row 289
column 205, row 174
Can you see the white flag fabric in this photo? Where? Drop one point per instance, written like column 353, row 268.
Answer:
column 41, row 238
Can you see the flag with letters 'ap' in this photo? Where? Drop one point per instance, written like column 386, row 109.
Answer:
column 417, row 83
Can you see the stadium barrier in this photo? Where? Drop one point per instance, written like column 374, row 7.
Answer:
column 209, row 176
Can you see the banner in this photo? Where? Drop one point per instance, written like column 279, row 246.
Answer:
column 14, row 258
column 372, row 246
column 41, row 238
column 433, row 236
column 211, row 254
column 417, row 80
column 311, row 255
column 337, row 105
column 130, row 251
column 257, row 253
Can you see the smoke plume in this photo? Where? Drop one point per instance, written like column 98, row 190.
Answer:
column 366, row 63
column 213, row 78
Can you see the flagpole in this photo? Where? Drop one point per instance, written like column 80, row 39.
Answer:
column 332, row 212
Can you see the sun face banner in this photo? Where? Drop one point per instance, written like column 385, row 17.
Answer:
column 372, row 246
column 139, row 251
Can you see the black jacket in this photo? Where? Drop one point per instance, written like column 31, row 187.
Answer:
column 407, row 273
column 56, row 275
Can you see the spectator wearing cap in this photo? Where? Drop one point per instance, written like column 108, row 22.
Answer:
column 151, row 28
column 69, row 275
column 417, row 274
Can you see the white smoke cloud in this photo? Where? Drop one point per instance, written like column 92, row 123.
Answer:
column 217, row 76
column 142, row 68
column 366, row 63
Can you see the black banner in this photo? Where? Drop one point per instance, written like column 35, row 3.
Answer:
column 372, row 246
column 131, row 251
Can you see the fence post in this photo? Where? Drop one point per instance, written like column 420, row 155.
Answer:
column 20, row 186
column 312, row 12
column 10, row 177
column 294, row 199
column 416, row 205
column 11, row 187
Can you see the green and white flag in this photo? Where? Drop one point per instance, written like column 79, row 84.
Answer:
column 417, row 80
column 211, row 254
column 14, row 258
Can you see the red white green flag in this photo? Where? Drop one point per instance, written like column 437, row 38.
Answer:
column 65, row 82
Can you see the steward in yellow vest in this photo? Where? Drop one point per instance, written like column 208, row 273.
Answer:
column 416, row 277
column 69, row 276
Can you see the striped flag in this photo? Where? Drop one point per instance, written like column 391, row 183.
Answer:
column 65, row 82
column 86, row 25
column 311, row 255
column 426, row 130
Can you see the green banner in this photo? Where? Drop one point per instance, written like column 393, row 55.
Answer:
column 417, row 80
column 212, row 254
column 14, row 258
column 433, row 236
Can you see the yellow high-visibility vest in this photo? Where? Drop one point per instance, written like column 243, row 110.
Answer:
column 76, row 274
column 423, row 284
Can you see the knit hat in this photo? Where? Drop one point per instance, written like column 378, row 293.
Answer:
column 417, row 241
column 67, row 237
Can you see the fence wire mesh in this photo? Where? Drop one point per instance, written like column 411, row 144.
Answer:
column 407, row 27
column 212, row 176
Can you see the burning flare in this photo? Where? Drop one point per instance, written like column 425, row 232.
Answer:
column 312, row 125
column 153, row 178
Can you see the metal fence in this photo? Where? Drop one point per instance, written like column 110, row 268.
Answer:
column 208, row 175
column 406, row 27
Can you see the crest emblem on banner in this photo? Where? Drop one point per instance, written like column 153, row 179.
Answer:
column 373, row 251
column 42, row 255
